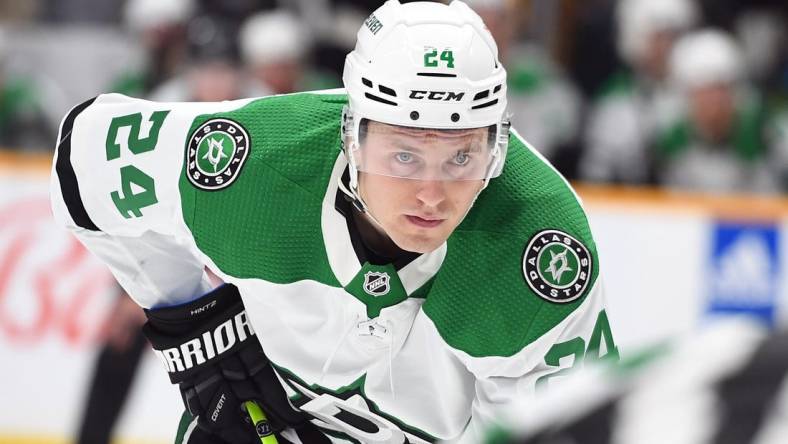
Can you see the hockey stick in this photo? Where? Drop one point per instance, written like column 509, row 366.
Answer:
column 260, row 423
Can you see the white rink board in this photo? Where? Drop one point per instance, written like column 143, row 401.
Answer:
column 656, row 268
column 644, row 303
column 54, row 297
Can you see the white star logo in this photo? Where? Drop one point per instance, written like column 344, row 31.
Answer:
column 558, row 265
column 215, row 152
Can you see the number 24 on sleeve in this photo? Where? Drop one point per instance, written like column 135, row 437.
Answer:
column 137, row 189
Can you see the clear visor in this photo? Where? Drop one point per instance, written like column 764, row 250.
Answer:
column 424, row 153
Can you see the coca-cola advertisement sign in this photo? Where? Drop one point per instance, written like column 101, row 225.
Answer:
column 57, row 307
column 50, row 286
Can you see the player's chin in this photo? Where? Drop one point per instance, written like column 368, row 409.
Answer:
column 419, row 243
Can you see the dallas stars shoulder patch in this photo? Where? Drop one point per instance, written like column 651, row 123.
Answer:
column 216, row 152
column 556, row 266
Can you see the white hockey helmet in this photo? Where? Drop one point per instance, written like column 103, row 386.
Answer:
column 426, row 65
column 146, row 14
column 706, row 57
column 638, row 20
column 269, row 37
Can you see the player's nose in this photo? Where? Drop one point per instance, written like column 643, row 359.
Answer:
column 430, row 192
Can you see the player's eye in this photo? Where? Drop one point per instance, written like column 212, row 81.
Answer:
column 461, row 158
column 404, row 157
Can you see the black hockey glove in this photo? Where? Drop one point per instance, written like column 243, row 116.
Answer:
column 210, row 351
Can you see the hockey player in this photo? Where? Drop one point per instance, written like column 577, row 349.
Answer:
column 722, row 142
column 273, row 49
column 403, row 260
column 636, row 103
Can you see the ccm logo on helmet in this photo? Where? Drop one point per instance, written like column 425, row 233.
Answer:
column 207, row 345
column 445, row 96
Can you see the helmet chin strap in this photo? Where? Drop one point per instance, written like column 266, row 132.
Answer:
column 354, row 193
column 349, row 133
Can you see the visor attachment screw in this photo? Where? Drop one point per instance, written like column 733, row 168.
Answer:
column 414, row 115
column 455, row 117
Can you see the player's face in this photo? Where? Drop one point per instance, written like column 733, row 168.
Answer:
column 214, row 81
column 712, row 109
column 418, row 215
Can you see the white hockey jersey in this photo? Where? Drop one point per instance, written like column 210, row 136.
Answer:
column 419, row 350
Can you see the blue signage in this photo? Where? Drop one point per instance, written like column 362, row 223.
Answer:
column 744, row 270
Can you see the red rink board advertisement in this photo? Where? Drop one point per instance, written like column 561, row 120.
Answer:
column 55, row 301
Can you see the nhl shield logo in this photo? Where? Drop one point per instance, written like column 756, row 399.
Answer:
column 376, row 284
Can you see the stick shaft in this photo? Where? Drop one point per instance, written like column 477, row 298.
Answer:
column 260, row 422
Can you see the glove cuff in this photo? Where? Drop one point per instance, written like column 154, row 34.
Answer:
column 206, row 306
column 192, row 336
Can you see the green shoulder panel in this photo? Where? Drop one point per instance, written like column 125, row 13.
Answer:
column 520, row 263
column 239, row 202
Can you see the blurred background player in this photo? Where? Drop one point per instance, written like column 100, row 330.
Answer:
column 331, row 25
column 278, row 55
column 22, row 122
column 274, row 48
column 545, row 106
column 721, row 143
column 637, row 101
column 212, row 71
column 763, row 38
column 160, row 28
column 113, row 372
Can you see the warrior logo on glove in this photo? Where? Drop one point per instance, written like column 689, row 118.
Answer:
column 217, row 151
column 207, row 345
column 556, row 266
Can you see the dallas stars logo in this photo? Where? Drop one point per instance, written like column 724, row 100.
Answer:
column 556, row 266
column 216, row 152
